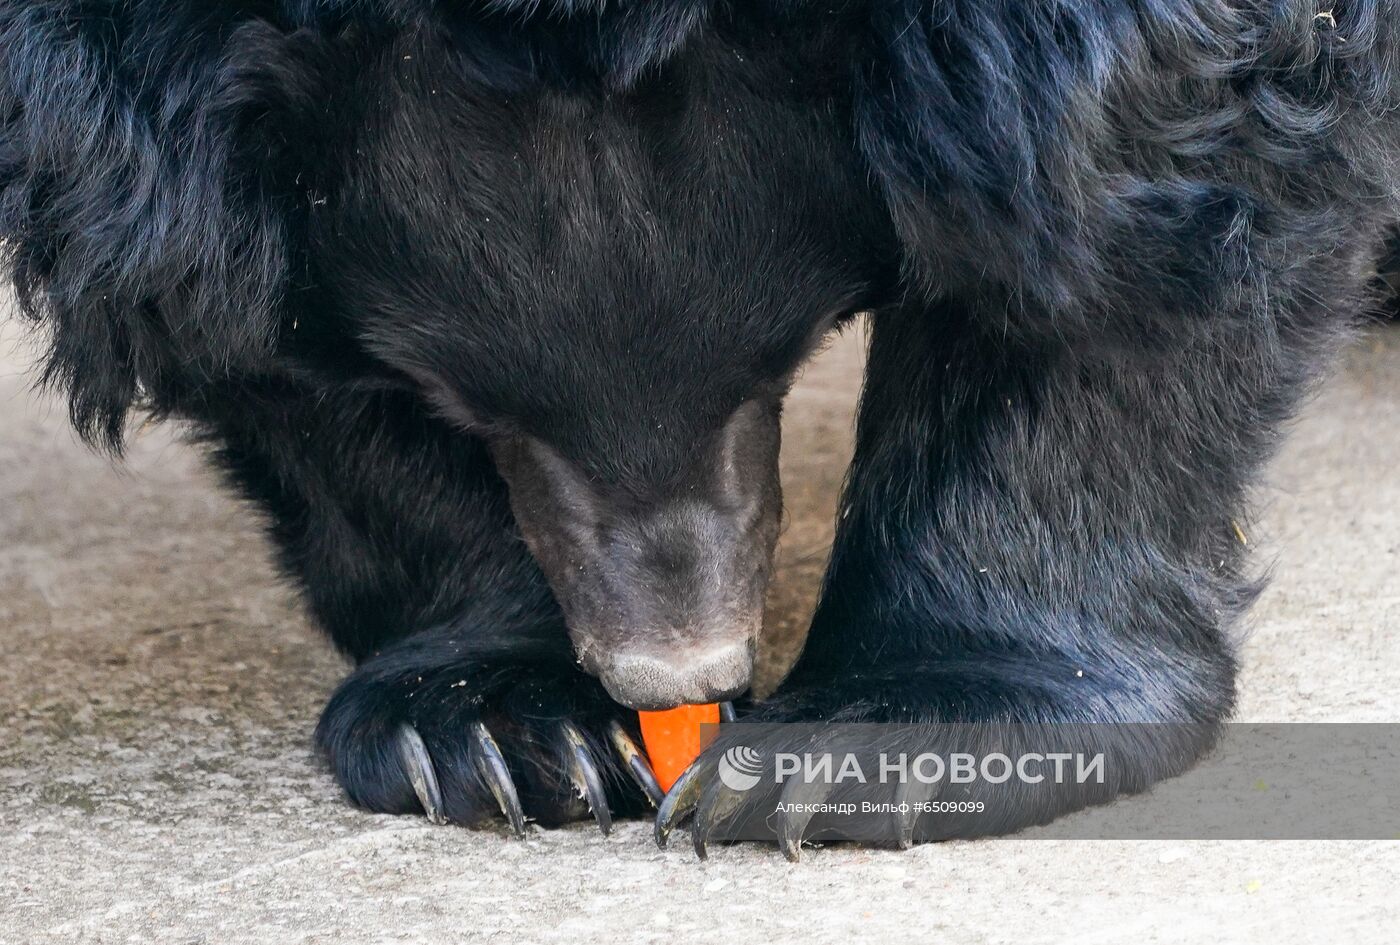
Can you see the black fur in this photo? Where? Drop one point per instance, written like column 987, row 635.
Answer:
column 1108, row 245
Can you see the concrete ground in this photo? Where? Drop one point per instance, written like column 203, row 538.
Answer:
column 159, row 685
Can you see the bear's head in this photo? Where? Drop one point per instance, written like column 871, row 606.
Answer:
column 614, row 288
column 609, row 274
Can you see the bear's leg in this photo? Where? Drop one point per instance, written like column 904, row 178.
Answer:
column 1046, row 536
column 465, row 699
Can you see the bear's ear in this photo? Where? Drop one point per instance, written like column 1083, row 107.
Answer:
column 135, row 227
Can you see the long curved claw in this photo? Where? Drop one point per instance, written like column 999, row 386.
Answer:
column 418, row 765
column 798, row 804
column 636, row 762
column 726, row 712
column 716, row 804
column 491, row 766
column 584, row 775
column 679, row 802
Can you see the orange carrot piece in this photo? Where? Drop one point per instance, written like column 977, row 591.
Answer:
column 672, row 738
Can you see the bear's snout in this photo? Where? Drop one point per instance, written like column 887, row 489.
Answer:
column 667, row 612
column 650, row 677
column 663, row 596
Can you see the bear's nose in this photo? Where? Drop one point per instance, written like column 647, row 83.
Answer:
column 649, row 680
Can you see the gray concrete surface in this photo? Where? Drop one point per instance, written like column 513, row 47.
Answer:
column 158, row 686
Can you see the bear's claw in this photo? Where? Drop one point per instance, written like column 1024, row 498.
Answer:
column 679, row 803
column 584, row 775
column 636, row 763
column 418, row 766
column 491, row 766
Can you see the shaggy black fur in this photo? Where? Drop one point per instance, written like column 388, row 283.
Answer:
column 1108, row 243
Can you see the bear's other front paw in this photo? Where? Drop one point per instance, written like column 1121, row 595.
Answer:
column 465, row 742
column 882, row 759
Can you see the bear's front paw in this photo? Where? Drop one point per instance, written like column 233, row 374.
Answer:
column 799, row 782
column 465, row 742
column 828, row 759
column 927, row 752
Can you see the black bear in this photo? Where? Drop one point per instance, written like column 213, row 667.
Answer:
column 491, row 307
